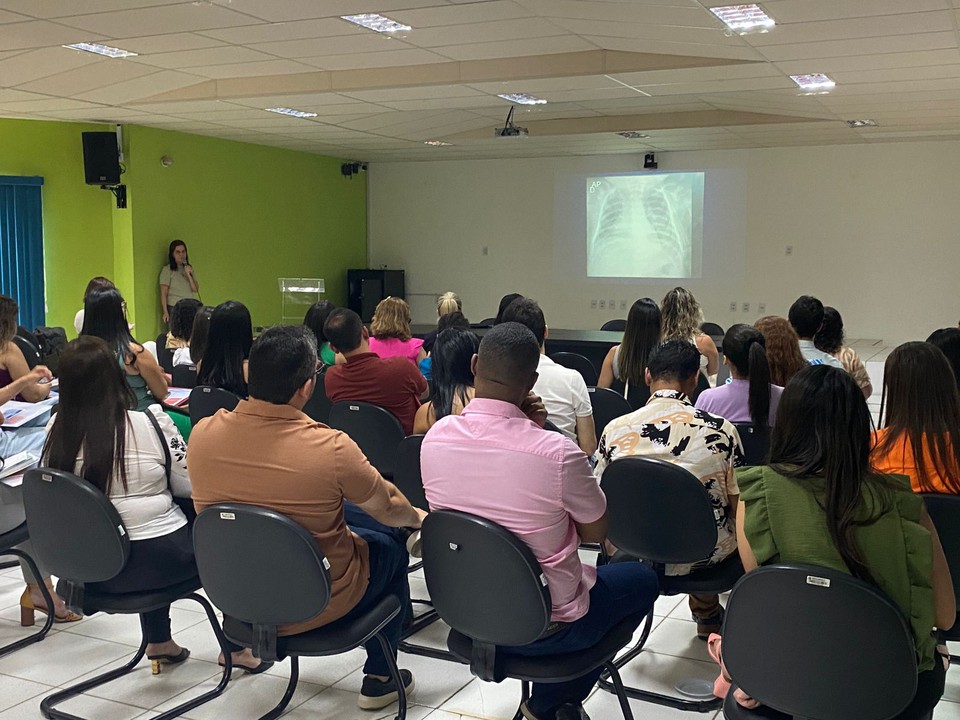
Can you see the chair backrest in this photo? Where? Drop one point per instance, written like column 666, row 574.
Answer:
column 485, row 323
column 483, row 581
column 29, row 350
column 755, row 441
column 551, row 427
column 723, row 373
column 702, row 384
column 75, row 529
column 375, row 430
column 658, row 511
column 205, row 401
column 617, row 325
column 259, row 566
column 164, row 356
column 576, row 361
column 406, row 473
column 318, row 406
column 712, row 329
column 607, row 405
column 944, row 510
column 818, row 643
column 184, row 376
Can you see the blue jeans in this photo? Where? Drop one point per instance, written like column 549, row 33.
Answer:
column 622, row 589
column 388, row 576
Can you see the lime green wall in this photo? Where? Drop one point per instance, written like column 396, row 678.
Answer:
column 249, row 215
column 77, row 225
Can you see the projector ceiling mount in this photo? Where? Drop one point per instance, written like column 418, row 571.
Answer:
column 509, row 129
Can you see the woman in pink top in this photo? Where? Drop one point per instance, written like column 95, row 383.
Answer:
column 390, row 332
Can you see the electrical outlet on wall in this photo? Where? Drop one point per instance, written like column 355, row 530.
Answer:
column 612, row 304
column 789, row 250
column 746, row 307
column 733, row 306
column 593, row 304
column 623, row 304
column 603, row 304
column 485, row 250
column 761, row 308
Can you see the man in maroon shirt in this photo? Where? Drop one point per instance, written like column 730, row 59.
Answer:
column 394, row 384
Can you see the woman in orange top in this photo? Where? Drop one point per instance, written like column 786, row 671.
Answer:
column 920, row 412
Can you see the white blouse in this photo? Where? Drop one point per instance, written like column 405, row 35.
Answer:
column 146, row 507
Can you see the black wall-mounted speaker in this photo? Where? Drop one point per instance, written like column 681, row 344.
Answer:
column 101, row 158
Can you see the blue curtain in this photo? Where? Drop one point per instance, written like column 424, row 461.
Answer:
column 21, row 246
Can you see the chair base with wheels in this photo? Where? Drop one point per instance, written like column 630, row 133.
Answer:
column 334, row 639
column 131, row 603
column 7, row 541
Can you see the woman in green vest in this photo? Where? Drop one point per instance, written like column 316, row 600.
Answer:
column 819, row 501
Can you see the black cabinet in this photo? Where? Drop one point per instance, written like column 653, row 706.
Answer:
column 366, row 288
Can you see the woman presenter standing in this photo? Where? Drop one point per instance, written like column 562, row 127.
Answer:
column 177, row 279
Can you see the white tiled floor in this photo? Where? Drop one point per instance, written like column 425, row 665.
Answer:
column 328, row 687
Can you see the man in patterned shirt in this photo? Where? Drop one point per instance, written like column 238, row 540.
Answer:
column 670, row 428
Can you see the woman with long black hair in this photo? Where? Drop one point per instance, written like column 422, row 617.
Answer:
column 177, row 279
column 625, row 365
column 749, row 397
column 452, row 377
column 821, row 501
column 224, row 361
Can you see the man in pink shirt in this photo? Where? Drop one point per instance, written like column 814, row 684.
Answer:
column 496, row 461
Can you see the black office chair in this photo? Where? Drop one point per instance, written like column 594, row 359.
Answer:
column 576, row 361
column 8, row 541
column 205, row 401
column 661, row 513
column 614, row 325
column 164, row 355
column 712, row 329
column 184, row 376
column 245, row 554
column 551, row 427
column 485, row 323
column 318, row 406
column 80, row 537
column 755, row 441
column 944, row 511
column 487, row 586
column 723, row 373
column 843, row 651
column 30, row 352
column 375, row 430
column 607, row 405
column 702, row 384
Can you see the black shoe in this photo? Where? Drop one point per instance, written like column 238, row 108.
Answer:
column 376, row 694
column 569, row 711
column 255, row 670
column 707, row 626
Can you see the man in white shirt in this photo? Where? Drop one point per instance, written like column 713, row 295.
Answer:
column 563, row 391
column 806, row 316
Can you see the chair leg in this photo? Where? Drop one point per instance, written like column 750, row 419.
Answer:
column 395, row 674
column 620, row 692
column 288, row 693
column 607, row 682
column 424, row 620
column 49, row 703
column 47, row 598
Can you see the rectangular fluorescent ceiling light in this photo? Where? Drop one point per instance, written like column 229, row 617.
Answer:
column 436, row 143
column 862, row 123
column 105, row 50
column 379, row 23
column 291, row 112
column 523, row 99
column 633, row 135
column 744, row 19
column 814, row 82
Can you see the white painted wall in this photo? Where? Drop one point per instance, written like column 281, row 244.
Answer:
column 873, row 229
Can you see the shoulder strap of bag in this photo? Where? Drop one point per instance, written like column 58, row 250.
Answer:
column 167, row 462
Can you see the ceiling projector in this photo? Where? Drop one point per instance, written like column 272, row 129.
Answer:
column 509, row 129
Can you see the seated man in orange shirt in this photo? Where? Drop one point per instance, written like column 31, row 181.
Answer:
column 268, row 453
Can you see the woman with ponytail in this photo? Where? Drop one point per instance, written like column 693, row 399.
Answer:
column 749, row 397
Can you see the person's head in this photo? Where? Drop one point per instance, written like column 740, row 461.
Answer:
column 105, row 317
column 823, row 432
column 783, row 348
column 829, row 337
column 451, row 369
column 921, row 406
column 316, row 316
column 8, row 319
column 228, row 344
column 744, row 350
column 641, row 336
column 391, row 319
column 184, row 315
column 527, row 312
column 447, row 303
column 806, row 316
column 506, row 364
column 344, row 331
column 453, row 319
column 948, row 340
column 681, row 316
column 504, row 304
column 92, row 415
column 177, row 254
column 95, row 283
column 283, row 366
column 201, row 330
column 674, row 365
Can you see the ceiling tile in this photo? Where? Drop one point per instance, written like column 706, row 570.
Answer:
column 158, row 20
column 355, row 43
column 363, row 60
column 791, row 11
column 284, row 10
column 477, row 12
column 174, row 42
column 276, row 32
column 500, row 30
column 35, row 64
column 132, row 90
column 878, row 26
column 251, row 69
column 86, row 78
column 515, row 48
column 860, row 46
column 40, row 33
column 62, row 8
column 228, row 54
